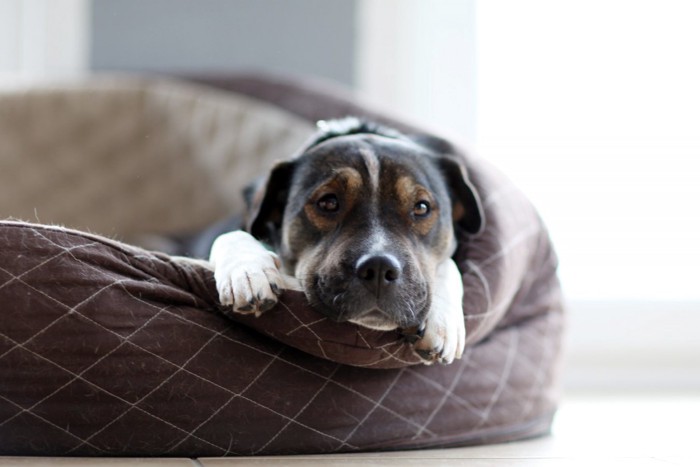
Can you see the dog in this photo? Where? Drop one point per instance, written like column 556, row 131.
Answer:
column 364, row 220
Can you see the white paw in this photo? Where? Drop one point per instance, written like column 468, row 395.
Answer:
column 443, row 332
column 247, row 275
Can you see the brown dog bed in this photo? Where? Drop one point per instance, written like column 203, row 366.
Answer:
column 109, row 349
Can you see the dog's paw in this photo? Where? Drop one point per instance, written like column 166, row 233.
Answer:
column 250, row 287
column 442, row 341
column 442, row 336
column 247, row 275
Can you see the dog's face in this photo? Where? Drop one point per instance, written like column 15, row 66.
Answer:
column 363, row 219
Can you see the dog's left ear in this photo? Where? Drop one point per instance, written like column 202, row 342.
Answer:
column 467, row 211
column 266, row 200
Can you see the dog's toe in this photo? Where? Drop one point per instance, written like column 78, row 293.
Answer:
column 441, row 342
column 225, row 289
column 254, row 293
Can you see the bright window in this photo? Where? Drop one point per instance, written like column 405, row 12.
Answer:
column 594, row 109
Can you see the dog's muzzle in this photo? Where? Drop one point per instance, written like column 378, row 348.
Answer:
column 377, row 290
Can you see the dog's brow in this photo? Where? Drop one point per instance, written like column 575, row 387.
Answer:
column 351, row 178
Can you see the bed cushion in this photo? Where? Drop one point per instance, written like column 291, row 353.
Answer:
column 110, row 349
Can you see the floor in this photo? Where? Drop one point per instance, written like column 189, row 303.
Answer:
column 636, row 430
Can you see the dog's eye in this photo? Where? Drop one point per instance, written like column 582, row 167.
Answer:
column 421, row 209
column 328, row 203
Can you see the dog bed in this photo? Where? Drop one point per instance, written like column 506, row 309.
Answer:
column 111, row 349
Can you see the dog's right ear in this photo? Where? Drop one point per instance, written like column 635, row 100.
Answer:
column 266, row 200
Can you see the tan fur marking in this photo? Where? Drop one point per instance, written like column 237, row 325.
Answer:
column 408, row 194
column 458, row 211
column 353, row 183
column 346, row 185
column 405, row 192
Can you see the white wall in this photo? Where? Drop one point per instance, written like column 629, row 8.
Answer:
column 309, row 37
column 40, row 38
column 416, row 58
column 593, row 108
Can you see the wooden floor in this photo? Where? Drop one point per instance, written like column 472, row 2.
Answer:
column 635, row 430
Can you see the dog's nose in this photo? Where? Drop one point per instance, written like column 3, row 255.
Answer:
column 378, row 272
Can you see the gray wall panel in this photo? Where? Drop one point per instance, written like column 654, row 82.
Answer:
column 289, row 36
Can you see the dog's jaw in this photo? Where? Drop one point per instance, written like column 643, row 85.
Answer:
column 342, row 297
column 376, row 320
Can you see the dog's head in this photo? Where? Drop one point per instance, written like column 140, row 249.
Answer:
column 363, row 216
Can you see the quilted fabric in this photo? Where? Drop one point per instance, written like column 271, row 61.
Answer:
column 67, row 151
column 108, row 349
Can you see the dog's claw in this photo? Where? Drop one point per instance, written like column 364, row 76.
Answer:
column 430, row 356
column 427, row 355
column 267, row 304
column 256, row 305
